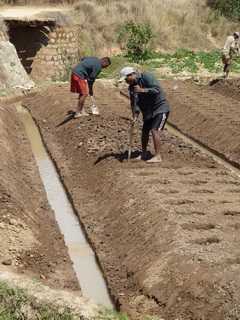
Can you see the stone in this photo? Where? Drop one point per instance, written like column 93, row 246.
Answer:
column 13, row 222
column 7, row 262
column 12, row 73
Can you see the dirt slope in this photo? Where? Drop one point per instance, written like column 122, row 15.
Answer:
column 209, row 114
column 29, row 239
column 166, row 236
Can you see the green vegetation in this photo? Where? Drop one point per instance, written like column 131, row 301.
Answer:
column 181, row 61
column 15, row 304
column 227, row 8
column 135, row 39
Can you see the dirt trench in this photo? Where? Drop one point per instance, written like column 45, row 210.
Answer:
column 30, row 241
column 166, row 235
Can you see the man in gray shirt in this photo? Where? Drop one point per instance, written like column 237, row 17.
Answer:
column 147, row 97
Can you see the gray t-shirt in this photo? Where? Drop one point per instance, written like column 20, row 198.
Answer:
column 152, row 101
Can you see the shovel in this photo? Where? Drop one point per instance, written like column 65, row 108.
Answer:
column 94, row 108
column 131, row 132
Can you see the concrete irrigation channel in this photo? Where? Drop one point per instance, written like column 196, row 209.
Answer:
column 165, row 236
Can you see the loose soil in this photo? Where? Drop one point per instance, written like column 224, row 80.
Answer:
column 209, row 114
column 30, row 241
column 166, row 235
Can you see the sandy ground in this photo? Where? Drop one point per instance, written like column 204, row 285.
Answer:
column 166, row 235
column 30, row 242
column 29, row 12
column 210, row 114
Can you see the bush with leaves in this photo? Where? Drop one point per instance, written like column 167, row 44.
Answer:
column 135, row 39
column 227, row 8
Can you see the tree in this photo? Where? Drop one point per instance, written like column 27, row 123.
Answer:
column 135, row 39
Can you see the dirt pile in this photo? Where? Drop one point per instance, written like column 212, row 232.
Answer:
column 166, row 235
column 210, row 114
column 227, row 88
column 30, row 241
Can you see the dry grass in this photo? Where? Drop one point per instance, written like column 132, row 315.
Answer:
column 176, row 23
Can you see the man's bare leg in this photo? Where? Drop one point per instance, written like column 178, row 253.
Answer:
column 226, row 69
column 145, row 140
column 157, row 145
column 80, row 107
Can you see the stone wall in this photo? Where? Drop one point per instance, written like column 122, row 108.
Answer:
column 53, row 61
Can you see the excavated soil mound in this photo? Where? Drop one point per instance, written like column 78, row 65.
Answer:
column 30, row 241
column 210, row 115
column 166, row 235
column 228, row 88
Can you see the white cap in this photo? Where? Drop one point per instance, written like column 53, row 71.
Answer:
column 126, row 72
column 237, row 34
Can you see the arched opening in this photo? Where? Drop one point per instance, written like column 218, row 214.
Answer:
column 29, row 37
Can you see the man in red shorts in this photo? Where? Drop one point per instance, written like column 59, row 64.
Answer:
column 83, row 77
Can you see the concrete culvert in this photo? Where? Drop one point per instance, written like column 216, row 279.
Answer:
column 28, row 38
column 47, row 45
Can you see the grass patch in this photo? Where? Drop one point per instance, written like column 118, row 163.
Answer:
column 182, row 60
column 15, row 305
column 187, row 60
column 112, row 71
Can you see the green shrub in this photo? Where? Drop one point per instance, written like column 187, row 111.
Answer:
column 227, row 8
column 135, row 39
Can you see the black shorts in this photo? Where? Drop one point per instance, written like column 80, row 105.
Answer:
column 157, row 123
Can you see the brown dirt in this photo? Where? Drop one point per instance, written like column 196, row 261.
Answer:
column 29, row 237
column 228, row 88
column 210, row 114
column 166, row 235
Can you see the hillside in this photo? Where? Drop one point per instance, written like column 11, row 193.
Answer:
column 175, row 24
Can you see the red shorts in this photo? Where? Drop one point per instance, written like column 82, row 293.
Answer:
column 79, row 85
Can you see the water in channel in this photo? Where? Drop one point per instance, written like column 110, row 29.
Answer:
column 84, row 261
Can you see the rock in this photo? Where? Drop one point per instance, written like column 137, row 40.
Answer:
column 7, row 262
column 12, row 73
column 13, row 222
column 2, row 225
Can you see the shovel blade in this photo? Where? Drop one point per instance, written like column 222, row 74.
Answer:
column 129, row 153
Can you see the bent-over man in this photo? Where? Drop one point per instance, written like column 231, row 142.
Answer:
column 83, row 77
column 147, row 97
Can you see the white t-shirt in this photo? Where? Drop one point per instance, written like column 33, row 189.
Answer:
column 231, row 45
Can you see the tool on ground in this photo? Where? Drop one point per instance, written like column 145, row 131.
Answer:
column 94, row 108
column 70, row 116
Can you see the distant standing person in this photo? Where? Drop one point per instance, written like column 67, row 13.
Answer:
column 147, row 97
column 83, row 77
column 230, row 49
